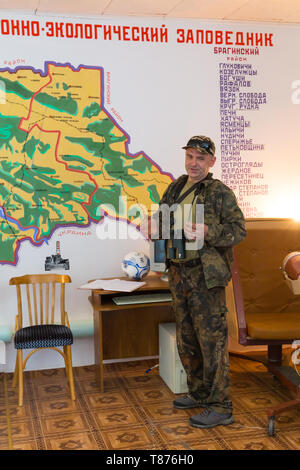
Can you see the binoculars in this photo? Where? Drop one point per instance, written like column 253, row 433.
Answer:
column 176, row 248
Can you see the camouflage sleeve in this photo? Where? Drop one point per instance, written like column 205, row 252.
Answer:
column 165, row 195
column 231, row 230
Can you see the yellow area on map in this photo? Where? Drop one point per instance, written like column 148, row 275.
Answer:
column 67, row 156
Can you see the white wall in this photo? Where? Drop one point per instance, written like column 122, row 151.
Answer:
column 161, row 93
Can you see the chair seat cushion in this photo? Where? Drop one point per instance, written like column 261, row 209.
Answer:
column 43, row 336
column 284, row 325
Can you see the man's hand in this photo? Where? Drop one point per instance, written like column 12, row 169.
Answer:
column 195, row 231
column 149, row 228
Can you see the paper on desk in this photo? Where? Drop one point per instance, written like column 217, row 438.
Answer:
column 113, row 284
column 2, row 352
column 92, row 285
column 123, row 286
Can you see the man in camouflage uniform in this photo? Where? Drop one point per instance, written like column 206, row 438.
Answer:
column 197, row 282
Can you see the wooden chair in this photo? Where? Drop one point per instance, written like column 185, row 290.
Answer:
column 39, row 327
column 262, row 308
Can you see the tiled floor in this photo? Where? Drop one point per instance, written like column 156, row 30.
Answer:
column 136, row 412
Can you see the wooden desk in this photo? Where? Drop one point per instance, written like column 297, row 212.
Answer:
column 122, row 331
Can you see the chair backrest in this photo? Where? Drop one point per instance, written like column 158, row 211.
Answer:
column 257, row 280
column 38, row 296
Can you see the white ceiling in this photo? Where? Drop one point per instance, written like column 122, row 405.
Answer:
column 283, row 11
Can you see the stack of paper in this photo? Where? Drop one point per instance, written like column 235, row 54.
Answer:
column 2, row 352
column 113, row 285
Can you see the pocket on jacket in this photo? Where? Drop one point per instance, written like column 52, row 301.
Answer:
column 215, row 268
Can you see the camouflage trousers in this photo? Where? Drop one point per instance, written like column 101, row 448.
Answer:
column 201, row 330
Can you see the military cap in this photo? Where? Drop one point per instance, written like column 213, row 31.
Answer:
column 201, row 143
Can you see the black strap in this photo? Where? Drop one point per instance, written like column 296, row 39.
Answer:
column 186, row 193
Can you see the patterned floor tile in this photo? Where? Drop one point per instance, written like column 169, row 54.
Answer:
column 62, row 423
column 135, row 365
column 20, row 430
column 204, row 444
column 236, row 364
column 252, row 361
column 181, row 432
column 165, row 412
column 142, row 380
column 136, row 412
column 3, row 436
column 254, row 443
column 105, row 400
column 15, row 411
column 24, row 445
column 91, row 385
column 12, row 395
column 254, row 401
column 244, row 382
column 116, row 417
column 46, row 391
column 237, row 406
column 47, row 375
column 132, row 438
column 243, row 424
column 84, row 372
column 290, row 437
column 76, row 441
column 153, row 395
column 286, row 421
column 56, row 406
column 184, row 446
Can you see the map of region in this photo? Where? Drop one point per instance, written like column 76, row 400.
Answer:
column 62, row 156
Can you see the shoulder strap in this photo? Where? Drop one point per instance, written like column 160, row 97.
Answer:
column 186, row 193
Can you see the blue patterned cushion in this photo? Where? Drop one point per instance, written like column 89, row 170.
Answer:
column 43, row 336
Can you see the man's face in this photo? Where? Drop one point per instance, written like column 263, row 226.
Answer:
column 197, row 164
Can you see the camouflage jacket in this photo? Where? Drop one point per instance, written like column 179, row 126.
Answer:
column 226, row 226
